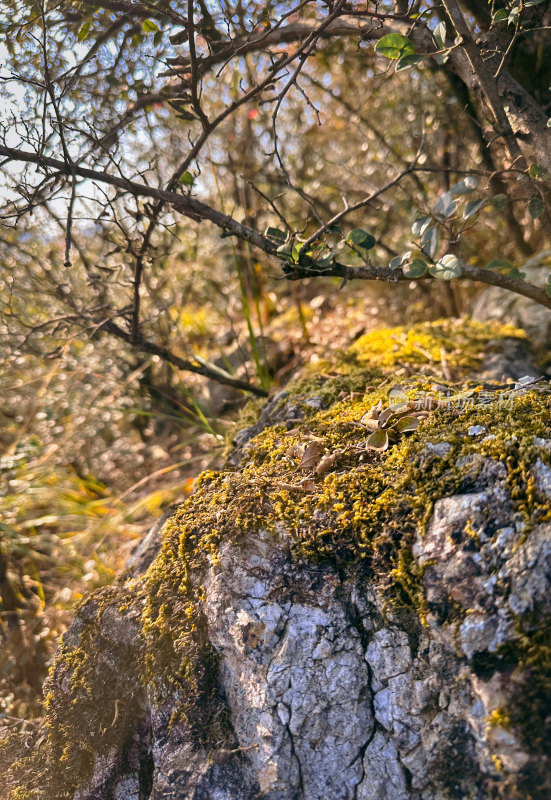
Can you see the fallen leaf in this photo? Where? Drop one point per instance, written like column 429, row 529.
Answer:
column 406, row 424
column 295, row 451
column 378, row 441
column 304, row 486
column 385, row 417
column 371, row 418
column 326, row 463
column 311, row 455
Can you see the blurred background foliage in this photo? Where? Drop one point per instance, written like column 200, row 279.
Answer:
column 99, row 437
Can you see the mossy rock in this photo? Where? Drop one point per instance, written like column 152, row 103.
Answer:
column 143, row 649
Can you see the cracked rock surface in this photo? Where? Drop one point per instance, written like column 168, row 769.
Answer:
column 333, row 694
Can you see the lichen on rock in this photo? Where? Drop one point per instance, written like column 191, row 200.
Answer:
column 378, row 628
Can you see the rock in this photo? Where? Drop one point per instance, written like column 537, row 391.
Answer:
column 499, row 304
column 382, row 635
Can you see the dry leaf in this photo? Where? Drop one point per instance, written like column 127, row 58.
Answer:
column 385, row 416
column 326, row 463
column 406, row 424
column 378, row 441
column 304, row 486
column 371, row 418
column 402, row 408
column 311, row 456
column 295, row 451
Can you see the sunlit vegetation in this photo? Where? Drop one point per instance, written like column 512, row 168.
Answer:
column 188, row 197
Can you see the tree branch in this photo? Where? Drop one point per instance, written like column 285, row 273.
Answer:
column 185, row 204
column 196, row 210
column 372, row 273
column 147, row 346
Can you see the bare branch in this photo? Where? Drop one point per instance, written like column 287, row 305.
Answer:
column 147, row 346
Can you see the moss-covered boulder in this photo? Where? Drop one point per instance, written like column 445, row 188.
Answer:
column 357, row 607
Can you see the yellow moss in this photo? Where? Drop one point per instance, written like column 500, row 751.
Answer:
column 499, row 718
column 463, row 343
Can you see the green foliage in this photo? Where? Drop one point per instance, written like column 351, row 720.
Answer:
column 536, row 207
column 408, row 61
column 395, row 46
column 187, row 178
column 363, row 239
column 447, row 268
column 275, row 146
column 538, row 172
column 415, row 269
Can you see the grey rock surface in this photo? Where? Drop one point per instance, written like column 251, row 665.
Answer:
column 330, row 692
column 499, row 304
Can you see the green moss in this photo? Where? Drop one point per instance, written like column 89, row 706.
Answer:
column 86, row 707
column 527, row 713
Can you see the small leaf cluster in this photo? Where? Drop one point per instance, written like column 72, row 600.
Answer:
column 319, row 254
column 388, row 424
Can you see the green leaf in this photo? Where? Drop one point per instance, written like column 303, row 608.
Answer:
column 328, row 259
column 187, row 178
column 536, row 207
column 429, row 242
column 420, row 225
column 445, row 207
column 361, row 238
column 515, row 274
column 275, row 233
column 84, row 31
column 394, row 45
column 406, row 62
column 447, row 268
column 498, row 263
column 513, row 16
column 472, row 207
column 500, row 15
column 468, row 184
column 149, row 26
column 529, row 3
column 396, row 262
column 415, row 269
column 538, row 172
column 548, row 285
column 440, row 35
column 499, row 201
